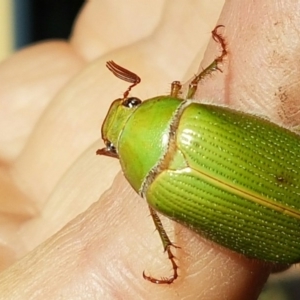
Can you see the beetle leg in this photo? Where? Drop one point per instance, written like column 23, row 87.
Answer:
column 167, row 247
column 175, row 89
column 212, row 67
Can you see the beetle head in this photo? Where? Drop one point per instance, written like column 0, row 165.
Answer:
column 119, row 111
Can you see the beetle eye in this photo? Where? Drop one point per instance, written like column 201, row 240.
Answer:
column 131, row 102
column 110, row 147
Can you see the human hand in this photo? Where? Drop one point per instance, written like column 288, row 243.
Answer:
column 102, row 252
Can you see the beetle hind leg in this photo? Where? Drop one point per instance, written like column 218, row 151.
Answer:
column 167, row 247
column 214, row 66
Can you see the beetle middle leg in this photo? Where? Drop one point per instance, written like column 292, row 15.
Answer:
column 167, row 247
column 212, row 67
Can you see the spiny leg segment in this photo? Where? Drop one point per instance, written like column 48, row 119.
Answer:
column 167, row 247
column 214, row 66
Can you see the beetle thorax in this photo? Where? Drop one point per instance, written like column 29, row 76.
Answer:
column 145, row 143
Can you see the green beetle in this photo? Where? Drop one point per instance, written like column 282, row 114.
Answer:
column 232, row 177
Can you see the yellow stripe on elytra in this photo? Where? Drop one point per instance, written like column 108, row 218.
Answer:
column 247, row 194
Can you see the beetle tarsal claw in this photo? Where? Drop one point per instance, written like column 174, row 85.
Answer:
column 162, row 280
column 166, row 280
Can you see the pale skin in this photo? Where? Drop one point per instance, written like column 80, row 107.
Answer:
column 59, row 239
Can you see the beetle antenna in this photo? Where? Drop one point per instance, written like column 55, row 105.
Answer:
column 123, row 74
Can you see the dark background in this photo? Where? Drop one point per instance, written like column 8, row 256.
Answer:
column 37, row 20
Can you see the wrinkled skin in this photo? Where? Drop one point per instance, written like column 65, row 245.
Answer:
column 59, row 239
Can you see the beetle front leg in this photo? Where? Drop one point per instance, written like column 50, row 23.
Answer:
column 167, row 247
column 175, row 89
column 212, row 67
